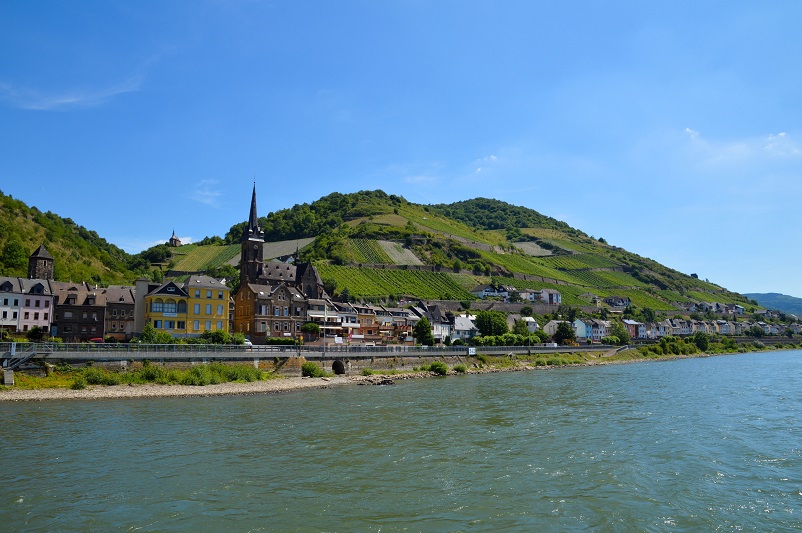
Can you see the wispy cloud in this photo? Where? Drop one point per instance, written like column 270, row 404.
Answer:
column 34, row 99
column 206, row 192
column 739, row 151
column 484, row 162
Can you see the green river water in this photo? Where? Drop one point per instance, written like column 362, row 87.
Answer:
column 707, row 444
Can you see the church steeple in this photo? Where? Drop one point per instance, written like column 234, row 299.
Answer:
column 252, row 253
column 253, row 229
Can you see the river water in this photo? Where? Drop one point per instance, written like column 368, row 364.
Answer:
column 708, row 444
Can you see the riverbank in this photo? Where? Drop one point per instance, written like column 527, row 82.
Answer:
column 271, row 386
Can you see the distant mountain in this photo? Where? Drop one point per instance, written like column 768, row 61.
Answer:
column 777, row 301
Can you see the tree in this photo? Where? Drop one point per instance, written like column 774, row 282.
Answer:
column 490, row 323
column 520, row 328
column 14, row 257
column 618, row 330
column 311, row 328
column 36, row 334
column 701, row 340
column 422, row 331
column 526, row 310
column 565, row 333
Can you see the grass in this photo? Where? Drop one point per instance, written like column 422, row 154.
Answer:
column 198, row 375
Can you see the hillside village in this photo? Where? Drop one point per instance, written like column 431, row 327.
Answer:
column 288, row 301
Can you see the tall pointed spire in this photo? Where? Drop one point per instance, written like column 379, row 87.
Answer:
column 253, row 219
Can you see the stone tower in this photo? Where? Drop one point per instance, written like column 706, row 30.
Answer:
column 252, row 254
column 40, row 264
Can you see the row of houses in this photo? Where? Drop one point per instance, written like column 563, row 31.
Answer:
column 596, row 329
column 507, row 292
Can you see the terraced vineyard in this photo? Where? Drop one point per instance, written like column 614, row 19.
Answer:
column 578, row 261
column 367, row 251
column 381, row 283
column 201, row 258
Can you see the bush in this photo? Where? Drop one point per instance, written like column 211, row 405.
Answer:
column 439, row 368
column 98, row 376
column 78, row 384
column 367, row 372
column 460, row 368
column 312, row 370
column 482, row 358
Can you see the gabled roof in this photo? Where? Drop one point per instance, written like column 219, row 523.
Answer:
column 171, row 288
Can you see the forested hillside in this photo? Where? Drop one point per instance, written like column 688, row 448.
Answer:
column 80, row 254
column 377, row 246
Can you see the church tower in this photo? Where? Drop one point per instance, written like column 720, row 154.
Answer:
column 40, row 264
column 252, row 254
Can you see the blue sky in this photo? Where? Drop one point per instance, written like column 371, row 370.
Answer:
column 671, row 129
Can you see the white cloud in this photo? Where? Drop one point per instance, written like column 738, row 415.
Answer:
column 742, row 151
column 483, row 163
column 206, row 192
column 36, row 100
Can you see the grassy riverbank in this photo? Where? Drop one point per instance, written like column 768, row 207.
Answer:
column 149, row 380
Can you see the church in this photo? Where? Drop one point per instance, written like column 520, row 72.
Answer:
column 273, row 298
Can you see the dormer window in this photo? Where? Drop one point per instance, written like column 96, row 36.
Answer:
column 170, row 289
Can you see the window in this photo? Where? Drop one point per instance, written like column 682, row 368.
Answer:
column 113, row 312
column 36, row 316
column 219, row 309
column 277, row 311
column 47, row 304
column 169, row 324
column 263, row 327
column 286, row 312
column 196, row 309
column 208, row 325
column 219, row 295
column 208, row 309
column 25, row 327
column 67, row 314
column 170, row 306
column 181, row 324
column 170, row 289
column 197, row 293
column 114, row 326
column 219, row 324
column 36, row 303
column 286, row 326
column 5, row 301
column 15, row 315
column 27, row 302
column 196, row 325
column 67, row 329
column 84, row 315
column 157, row 324
column 157, row 306
column 182, row 306
column 16, row 301
column 208, row 294
column 277, row 326
column 27, row 315
column 5, row 314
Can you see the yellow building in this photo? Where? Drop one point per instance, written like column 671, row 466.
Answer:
column 200, row 304
column 166, row 309
column 207, row 305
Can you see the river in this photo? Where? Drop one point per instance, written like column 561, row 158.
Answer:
column 705, row 444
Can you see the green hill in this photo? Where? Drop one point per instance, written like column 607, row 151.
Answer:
column 373, row 245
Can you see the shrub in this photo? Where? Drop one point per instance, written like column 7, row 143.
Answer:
column 98, row 376
column 312, row 370
column 367, row 372
column 439, row 368
column 482, row 358
column 460, row 368
column 78, row 384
